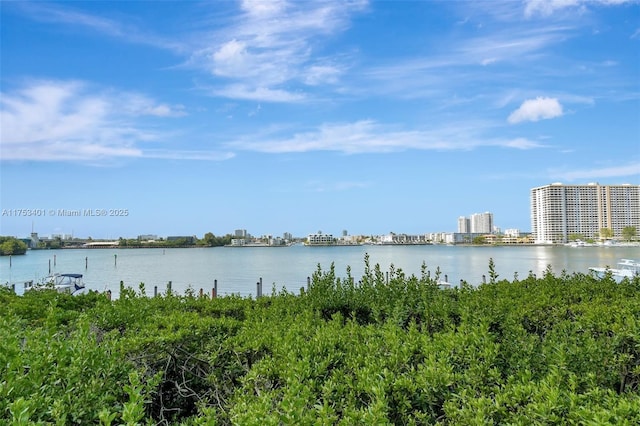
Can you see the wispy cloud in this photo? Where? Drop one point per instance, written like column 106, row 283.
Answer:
column 548, row 7
column 270, row 47
column 65, row 15
column 540, row 108
column 631, row 170
column 368, row 136
column 252, row 93
column 73, row 121
column 479, row 62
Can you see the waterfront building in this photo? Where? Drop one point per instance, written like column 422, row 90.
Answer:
column 512, row 232
column 238, row 242
column 558, row 211
column 320, row 239
column 400, row 239
column 464, row 225
column 481, row 223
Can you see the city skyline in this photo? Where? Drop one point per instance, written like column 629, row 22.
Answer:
column 372, row 116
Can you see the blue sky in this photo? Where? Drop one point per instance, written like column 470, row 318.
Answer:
column 300, row 116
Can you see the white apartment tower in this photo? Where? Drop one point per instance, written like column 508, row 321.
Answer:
column 481, row 223
column 558, row 210
column 464, row 226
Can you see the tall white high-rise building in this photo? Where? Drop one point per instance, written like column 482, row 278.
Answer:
column 558, row 211
column 464, row 226
column 481, row 223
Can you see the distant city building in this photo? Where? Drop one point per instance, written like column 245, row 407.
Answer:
column 287, row 236
column 481, row 223
column 440, row 237
column 320, row 239
column 147, row 237
column 62, row 236
column 34, row 240
column 512, row 233
column 558, row 211
column 464, row 225
column 393, row 238
column 240, row 233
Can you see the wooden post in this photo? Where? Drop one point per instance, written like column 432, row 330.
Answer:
column 49, row 265
column 86, row 262
column 13, row 287
column 213, row 293
column 108, row 294
column 484, row 279
column 201, row 293
column 169, row 287
column 115, row 260
column 446, row 278
column 155, row 291
column 9, row 261
column 387, row 276
column 54, row 260
column 215, row 288
column 308, row 282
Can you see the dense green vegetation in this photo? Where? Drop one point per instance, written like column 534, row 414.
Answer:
column 556, row 349
column 209, row 240
column 11, row 245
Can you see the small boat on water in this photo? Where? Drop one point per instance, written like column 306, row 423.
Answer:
column 62, row 283
column 627, row 268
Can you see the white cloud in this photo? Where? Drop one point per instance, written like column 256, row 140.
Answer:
column 263, row 8
column 521, row 143
column 319, row 74
column 71, row 121
column 625, row 170
column 367, row 136
column 271, row 44
column 247, row 92
column 540, row 108
column 58, row 14
column 548, row 7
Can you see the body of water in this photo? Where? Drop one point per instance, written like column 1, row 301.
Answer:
column 237, row 270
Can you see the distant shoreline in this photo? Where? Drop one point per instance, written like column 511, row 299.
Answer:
column 622, row 244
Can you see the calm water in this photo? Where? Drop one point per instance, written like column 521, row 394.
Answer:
column 237, row 270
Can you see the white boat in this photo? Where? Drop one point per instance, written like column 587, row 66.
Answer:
column 627, row 268
column 62, row 283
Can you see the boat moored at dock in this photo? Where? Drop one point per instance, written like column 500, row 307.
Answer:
column 62, row 283
column 627, row 268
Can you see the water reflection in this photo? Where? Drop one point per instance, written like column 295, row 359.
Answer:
column 237, row 270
